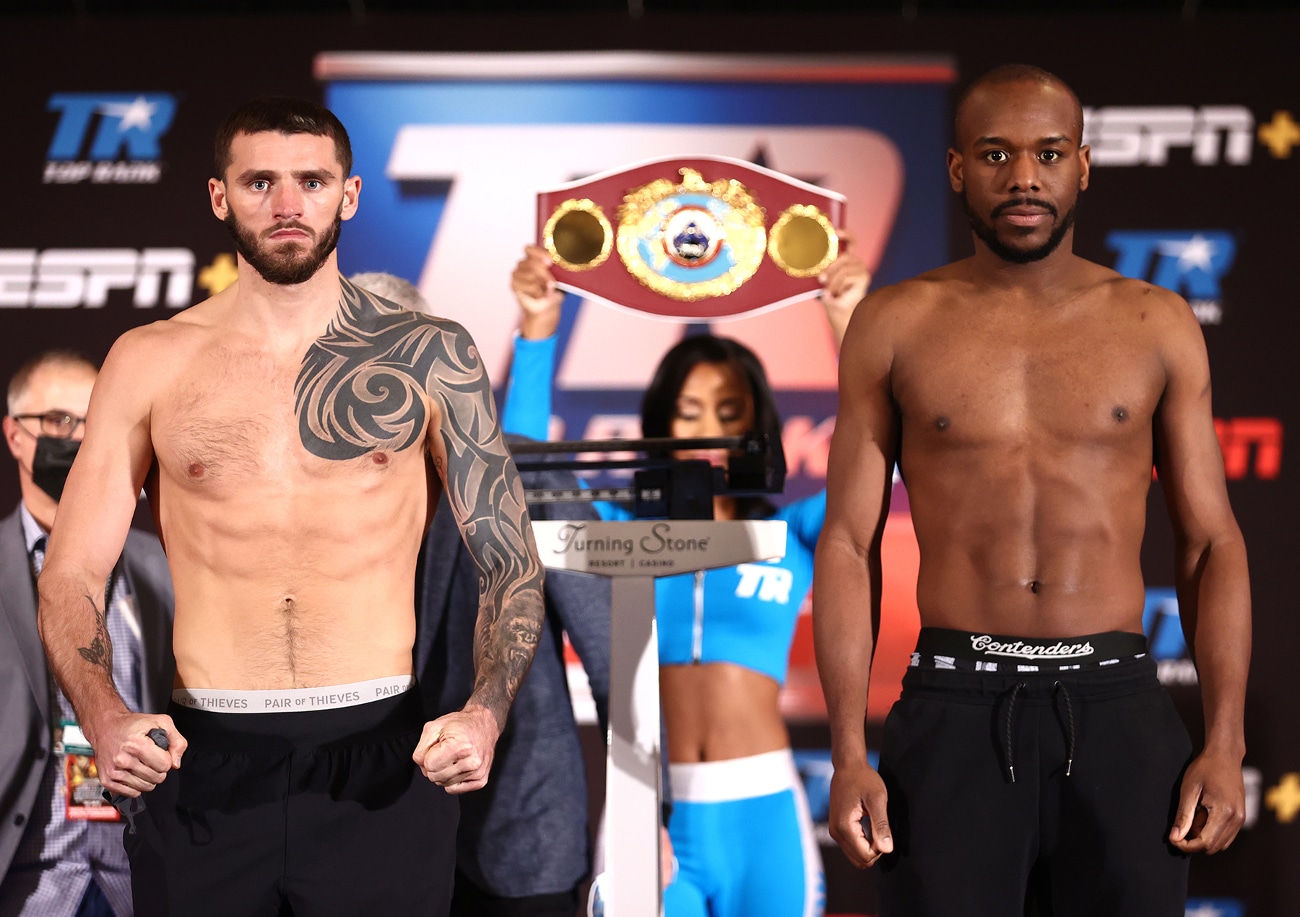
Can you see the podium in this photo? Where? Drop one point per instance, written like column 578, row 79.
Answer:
column 633, row 554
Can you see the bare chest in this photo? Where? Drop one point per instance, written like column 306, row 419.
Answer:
column 999, row 380
column 240, row 419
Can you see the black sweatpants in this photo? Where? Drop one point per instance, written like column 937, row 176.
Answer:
column 314, row 814
column 969, row 841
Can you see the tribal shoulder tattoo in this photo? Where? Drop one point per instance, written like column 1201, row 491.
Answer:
column 362, row 387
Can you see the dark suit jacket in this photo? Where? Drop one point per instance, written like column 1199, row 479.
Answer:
column 525, row 833
column 25, row 715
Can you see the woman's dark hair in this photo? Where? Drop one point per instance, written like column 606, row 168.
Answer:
column 659, row 404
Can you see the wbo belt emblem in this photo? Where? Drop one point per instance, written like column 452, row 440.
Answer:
column 690, row 236
column 691, row 240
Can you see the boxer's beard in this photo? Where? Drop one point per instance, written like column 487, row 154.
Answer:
column 988, row 235
column 287, row 263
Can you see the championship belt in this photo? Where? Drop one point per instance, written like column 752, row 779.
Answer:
column 694, row 239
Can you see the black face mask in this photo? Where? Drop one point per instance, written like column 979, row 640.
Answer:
column 52, row 462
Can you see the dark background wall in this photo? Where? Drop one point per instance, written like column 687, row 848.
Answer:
column 1240, row 196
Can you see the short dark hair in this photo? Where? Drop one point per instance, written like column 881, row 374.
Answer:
column 659, row 404
column 282, row 115
column 1011, row 73
column 59, row 356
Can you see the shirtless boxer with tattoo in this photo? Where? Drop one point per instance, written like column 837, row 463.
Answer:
column 1026, row 394
column 292, row 433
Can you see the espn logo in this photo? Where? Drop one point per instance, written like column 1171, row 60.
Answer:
column 66, row 278
column 1144, row 136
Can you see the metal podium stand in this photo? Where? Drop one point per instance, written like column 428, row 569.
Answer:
column 633, row 554
column 684, row 539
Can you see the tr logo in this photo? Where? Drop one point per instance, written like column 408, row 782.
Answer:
column 769, row 584
column 108, row 137
column 1192, row 263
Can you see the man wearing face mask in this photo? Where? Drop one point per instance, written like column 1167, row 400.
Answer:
column 61, row 848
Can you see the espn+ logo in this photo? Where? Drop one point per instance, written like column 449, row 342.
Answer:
column 108, row 138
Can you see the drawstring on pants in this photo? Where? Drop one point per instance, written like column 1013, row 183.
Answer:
column 1011, row 750
column 1058, row 690
column 1063, row 691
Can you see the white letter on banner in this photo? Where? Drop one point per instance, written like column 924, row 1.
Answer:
column 16, row 266
column 1237, row 124
column 1124, row 136
column 69, row 277
column 178, row 264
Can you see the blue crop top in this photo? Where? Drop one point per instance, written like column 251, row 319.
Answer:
column 743, row 615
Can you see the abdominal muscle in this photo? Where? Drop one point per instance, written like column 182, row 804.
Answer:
column 1018, row 582
column 1041, row 548
column 263, row 639
column 719, row 711
column 302, row 600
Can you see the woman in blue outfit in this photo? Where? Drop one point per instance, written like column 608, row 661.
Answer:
column 740, row 826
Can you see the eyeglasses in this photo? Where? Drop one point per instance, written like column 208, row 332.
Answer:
column 54, row 424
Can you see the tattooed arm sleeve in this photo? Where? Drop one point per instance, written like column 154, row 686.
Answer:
column 486, row 495
column 363, row 386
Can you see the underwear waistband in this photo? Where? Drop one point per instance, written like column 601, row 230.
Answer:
column 293, row 700
column 941, row 647
column 735, row 778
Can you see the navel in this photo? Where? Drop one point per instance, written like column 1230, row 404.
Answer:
column 1034, row 586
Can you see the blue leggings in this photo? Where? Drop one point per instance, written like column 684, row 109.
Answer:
column 753, row 856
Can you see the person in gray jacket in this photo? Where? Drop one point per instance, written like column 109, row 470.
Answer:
column 57, row 858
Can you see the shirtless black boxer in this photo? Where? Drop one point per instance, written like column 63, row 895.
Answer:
column 1025, row 394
